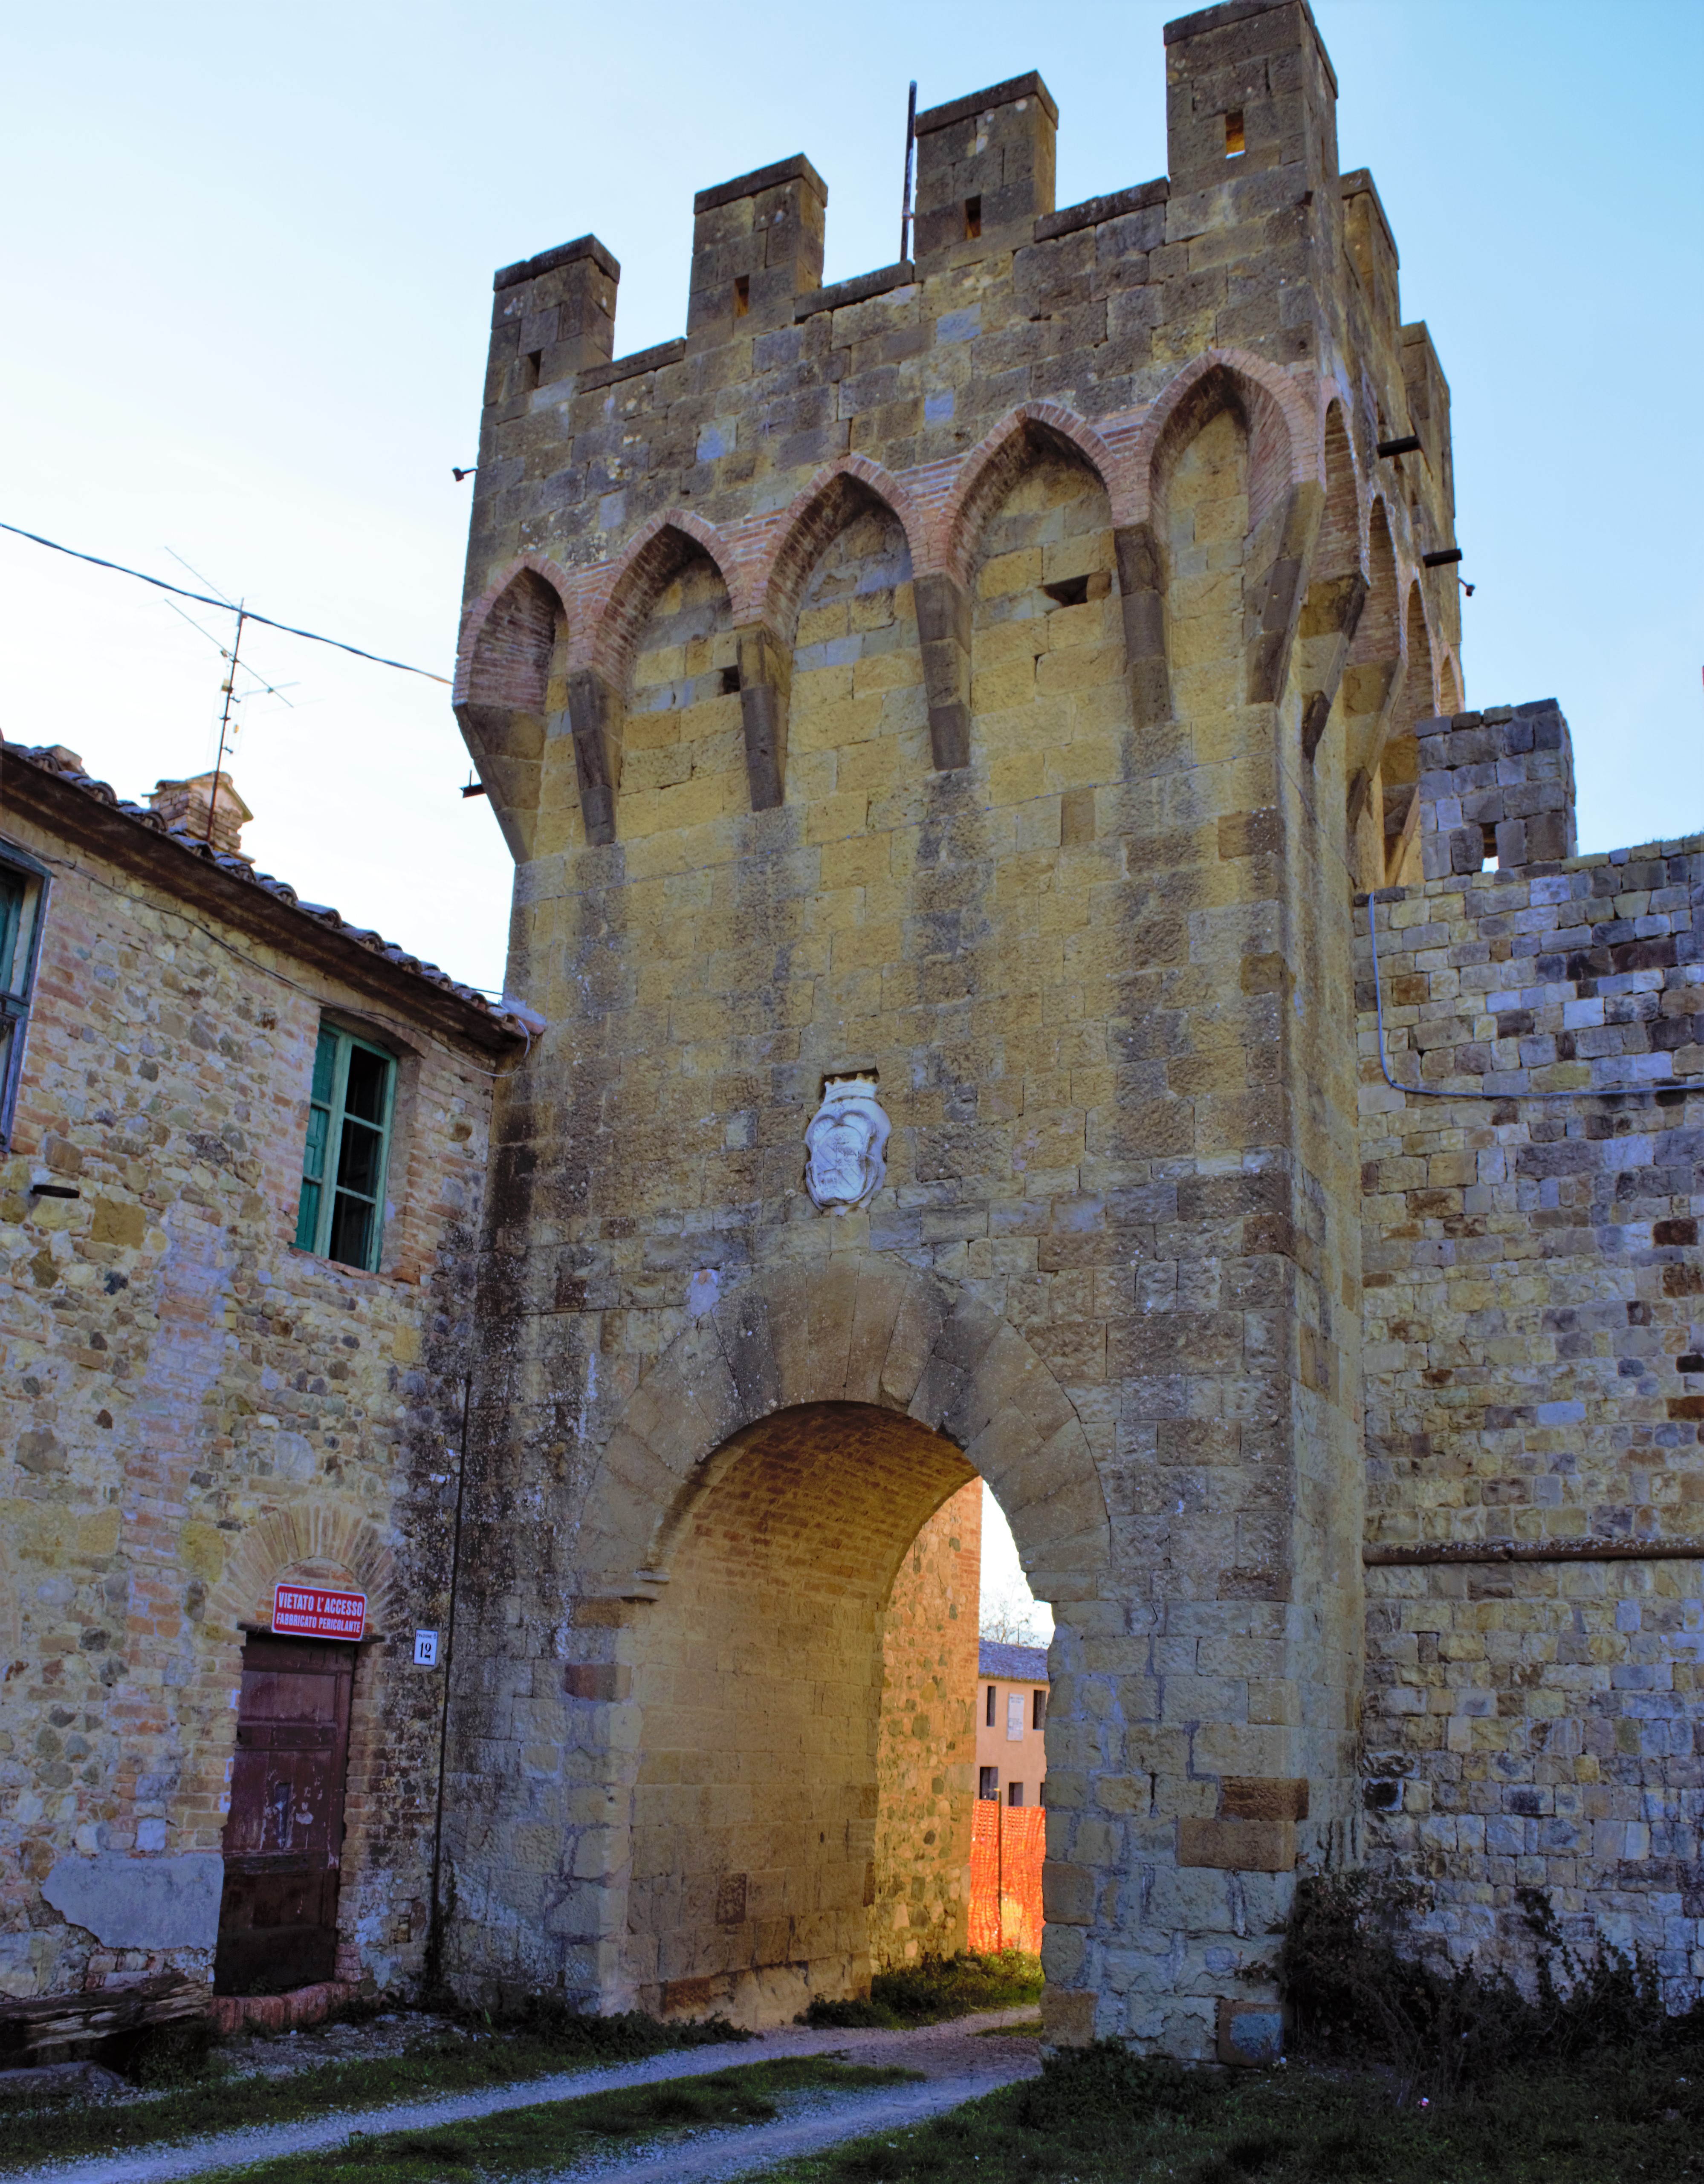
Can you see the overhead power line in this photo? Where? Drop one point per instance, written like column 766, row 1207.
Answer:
column 266, row 688
column 202, row 599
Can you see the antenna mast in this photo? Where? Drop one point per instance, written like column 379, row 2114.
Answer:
column 225, row 721
column 905, row 203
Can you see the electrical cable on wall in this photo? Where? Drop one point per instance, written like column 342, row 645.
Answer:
column 1438, row 1092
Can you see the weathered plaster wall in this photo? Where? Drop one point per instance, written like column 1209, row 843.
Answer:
column 192, row 1408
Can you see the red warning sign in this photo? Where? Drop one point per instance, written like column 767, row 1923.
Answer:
column 304, row 1611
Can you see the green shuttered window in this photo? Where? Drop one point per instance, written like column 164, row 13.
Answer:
column 20, row 901
column 341, row 1215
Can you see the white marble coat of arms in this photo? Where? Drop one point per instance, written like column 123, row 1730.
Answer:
column 846, row 1146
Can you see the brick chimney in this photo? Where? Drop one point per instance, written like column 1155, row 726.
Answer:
column 184, row 803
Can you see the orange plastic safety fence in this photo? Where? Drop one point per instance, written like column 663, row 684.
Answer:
column 1008, row 1843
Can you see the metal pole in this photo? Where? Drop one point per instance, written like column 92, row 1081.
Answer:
column 434, row 1940
column 910, row 142
column 225, row 721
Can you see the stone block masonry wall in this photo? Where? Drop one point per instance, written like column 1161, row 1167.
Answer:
column 192, row 1408
column 905, row 678
column 1497, row 784
column 926, row 1743
column 1534, row 1360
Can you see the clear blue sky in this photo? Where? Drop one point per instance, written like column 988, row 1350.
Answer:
column 248, row 257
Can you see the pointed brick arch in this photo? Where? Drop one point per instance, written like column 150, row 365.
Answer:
column 502, row 689
column 1340, row 548
column 1284, row 430
column 857, row 1328
column 1336, row 589
column 1371, row 684
column 1399, row 767
column 993, row 466
column 632, row 582
column 1419, row 656
column 1379, row 637
column 484, row 640
column 817, row 515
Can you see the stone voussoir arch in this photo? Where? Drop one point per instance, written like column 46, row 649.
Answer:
column 856, row 1328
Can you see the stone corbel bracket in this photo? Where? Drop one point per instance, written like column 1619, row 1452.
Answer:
column 1275, row 605
column 766, row 674
column 1142, row 581
column 1330, row 614
column 595, row 714
column 943, row 629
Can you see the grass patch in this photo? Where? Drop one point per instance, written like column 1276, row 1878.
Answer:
column 1099, row 2115
column 522, row 2141
column 937, row 1988
column 198, row 2095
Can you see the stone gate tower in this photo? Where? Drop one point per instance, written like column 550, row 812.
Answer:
column 989, row 680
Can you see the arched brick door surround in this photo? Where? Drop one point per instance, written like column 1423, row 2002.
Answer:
column 854, row 1327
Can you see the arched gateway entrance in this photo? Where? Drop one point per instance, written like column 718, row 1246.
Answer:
column 772, row 1577
column 805, row 1688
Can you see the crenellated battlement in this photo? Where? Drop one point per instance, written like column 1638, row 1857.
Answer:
column 1252, row 260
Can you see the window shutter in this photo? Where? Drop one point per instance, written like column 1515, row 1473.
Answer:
column 23, row 891
column 341, row 1213
column 319, row 1137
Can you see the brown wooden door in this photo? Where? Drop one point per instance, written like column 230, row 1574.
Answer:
column 284, row 1841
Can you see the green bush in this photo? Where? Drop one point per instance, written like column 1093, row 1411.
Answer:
column 628, row 2037
column 1358, row 1991
column 936, row 1988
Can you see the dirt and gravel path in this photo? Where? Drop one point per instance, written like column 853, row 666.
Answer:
column 958, row 2065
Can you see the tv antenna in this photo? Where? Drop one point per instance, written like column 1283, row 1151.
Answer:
column 227, row 729
column 262, row 687
column 229, row 686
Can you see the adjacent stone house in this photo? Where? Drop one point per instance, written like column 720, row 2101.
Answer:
column 243, row 1155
